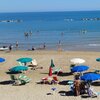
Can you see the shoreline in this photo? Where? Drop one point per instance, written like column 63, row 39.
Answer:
column 95, row 47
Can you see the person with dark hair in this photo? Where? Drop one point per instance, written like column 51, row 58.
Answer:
column 77, row 83
column 10, row 47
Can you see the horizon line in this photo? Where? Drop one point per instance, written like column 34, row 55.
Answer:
column 47, row 11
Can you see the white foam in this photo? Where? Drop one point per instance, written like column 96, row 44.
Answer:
column 94, row 44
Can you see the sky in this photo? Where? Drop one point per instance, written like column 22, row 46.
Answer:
column 48, row 5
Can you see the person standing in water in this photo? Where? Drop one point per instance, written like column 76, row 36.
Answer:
column 30, row 32
column 10, row 47
column 59, row 46
column 44, row 46
column 17, row 45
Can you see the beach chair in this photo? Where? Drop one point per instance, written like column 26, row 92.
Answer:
column 96, row 93
column 23, row 79
column 72, row 88
column 21, row 64
column 14, row 80
column 93, row 93
column 56, row 70
column 97, row 71
column 34, row 63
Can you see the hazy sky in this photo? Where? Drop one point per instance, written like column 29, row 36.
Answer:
column 48, row 5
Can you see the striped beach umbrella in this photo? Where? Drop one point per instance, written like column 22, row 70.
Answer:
column 52, row 63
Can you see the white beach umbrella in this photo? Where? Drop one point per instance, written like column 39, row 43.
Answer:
column 77, row 61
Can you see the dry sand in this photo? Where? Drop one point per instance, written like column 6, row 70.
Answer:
column 33, row 91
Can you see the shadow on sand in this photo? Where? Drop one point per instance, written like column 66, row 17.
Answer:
column 13, row 72
column 66, row 93
column 96, row 83
column 6, row 82
column 86, row 96
column 65, row 74
column 44, row 73
column 65, row 82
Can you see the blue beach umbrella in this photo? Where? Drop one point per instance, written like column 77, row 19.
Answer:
column 24, row 60
column 2, row 60
column 90, row 77
column 18, row 68
column 80, row 68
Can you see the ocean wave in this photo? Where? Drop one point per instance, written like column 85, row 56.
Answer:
column 94, row 44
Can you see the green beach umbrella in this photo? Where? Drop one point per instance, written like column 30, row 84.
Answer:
column 98, row 59
column 24, row 60
column 18, row 68
column 52, row 64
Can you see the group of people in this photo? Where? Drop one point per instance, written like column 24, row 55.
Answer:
column 11, row 46
column 26, row 34
column 33, row 48
column 41, row 47
column 80, row 87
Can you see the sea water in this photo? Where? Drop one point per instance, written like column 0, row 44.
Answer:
column 73, row 30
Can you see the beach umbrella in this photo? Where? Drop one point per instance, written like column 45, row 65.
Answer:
column 50, row 71
column 90, row 77
column 2, row 60
column 80, row 68
column 77, row 61
column 52, row 64
column 98, row 59
column 24, row 60
column 18, row 68
column 50, row 68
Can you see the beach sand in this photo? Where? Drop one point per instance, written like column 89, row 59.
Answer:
column 33, row 91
